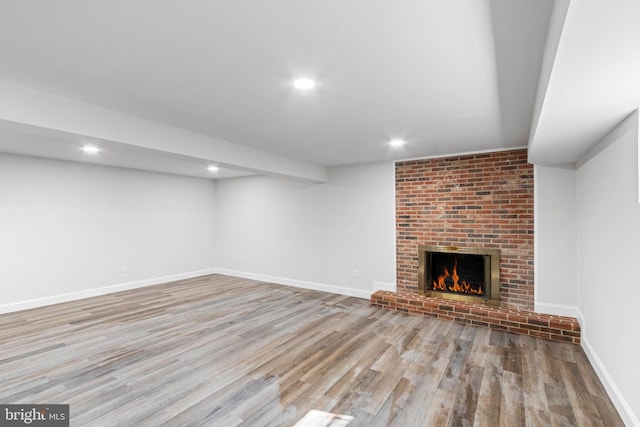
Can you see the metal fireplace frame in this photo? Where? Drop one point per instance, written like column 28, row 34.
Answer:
column 491, row 271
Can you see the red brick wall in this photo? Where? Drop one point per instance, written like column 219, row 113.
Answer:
column 479, row 200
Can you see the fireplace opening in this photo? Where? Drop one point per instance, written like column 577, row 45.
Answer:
column 457, row 273
column 464, row 274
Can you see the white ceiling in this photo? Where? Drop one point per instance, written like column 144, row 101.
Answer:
column 449, row 76
column 16, row 138
column 595, row 82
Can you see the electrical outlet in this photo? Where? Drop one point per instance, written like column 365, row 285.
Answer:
column 356, row 274
column 125, row 269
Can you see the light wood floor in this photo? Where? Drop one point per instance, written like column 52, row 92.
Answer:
column 224, row 351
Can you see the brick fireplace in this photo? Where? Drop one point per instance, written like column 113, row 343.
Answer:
column 472, row 204
column 476, row 201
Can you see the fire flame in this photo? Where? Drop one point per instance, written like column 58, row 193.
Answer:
column 460, row 287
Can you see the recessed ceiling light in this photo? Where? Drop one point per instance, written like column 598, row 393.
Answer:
column 90, row 149
column 304, row 83
column 213, row 168
column 397, row 142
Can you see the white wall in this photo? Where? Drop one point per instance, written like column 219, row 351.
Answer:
column 608, row 260
column 311, row 235
column 68, row 229
column 556, row 284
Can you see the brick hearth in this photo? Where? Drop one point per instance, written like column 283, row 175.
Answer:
column 557, row 328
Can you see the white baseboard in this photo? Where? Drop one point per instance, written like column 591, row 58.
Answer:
column 625, row 411
column 383, row 286
column 359, row 293
column 556, row 309
column 87, row 293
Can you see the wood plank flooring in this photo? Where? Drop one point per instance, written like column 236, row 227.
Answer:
column 223, row 351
